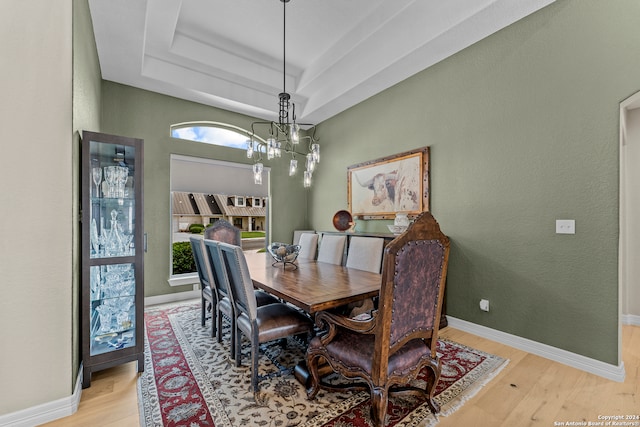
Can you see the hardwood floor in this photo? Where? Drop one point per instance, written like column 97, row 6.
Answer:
column 530, row 391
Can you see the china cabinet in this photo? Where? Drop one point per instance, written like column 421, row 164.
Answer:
column 112, row 292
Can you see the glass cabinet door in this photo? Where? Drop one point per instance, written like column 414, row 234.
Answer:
column 112, row 200
column 113, row 316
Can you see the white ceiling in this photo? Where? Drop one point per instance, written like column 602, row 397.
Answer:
column 229, row 53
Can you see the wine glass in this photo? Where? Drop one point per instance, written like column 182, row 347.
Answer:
column 97, row 179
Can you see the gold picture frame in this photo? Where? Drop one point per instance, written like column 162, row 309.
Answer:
column 380, row 188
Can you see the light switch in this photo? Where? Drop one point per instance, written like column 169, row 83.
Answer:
column 565, row 226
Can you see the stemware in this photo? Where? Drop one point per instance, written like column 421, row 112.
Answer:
column 110, row 178
column 97, row 179
column 105, row 312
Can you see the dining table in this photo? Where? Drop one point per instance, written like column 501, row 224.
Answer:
column 311, row 286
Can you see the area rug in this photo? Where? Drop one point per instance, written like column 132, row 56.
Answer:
column 189, row 380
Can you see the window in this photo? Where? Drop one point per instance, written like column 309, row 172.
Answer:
column 206, row 180
column 257, row 202
column 212, row 133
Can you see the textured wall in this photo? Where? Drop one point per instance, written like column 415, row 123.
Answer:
column 523, row 129
column 36, row 220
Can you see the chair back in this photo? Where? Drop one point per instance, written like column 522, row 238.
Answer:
column 308, row 245
column 218, row 269
column 224, row 231
column 413, row 280
column 365, row 253
column 240, row 283
column 332, row 249
column 298, row 233
column 202, row 266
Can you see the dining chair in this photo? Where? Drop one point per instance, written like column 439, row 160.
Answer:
column 365, row 253
column 393, row 347
column 225, row 307
column 298, row 233
column 224, row 231
column 258, row 324
column 331, row 249
column 308, row 246
column 208, row 296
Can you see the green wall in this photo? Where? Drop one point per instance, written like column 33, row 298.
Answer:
column 523, row 130
column 142, row 114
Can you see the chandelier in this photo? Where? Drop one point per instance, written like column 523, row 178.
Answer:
column 284, row 135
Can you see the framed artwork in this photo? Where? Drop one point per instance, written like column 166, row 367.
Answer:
column 380, row 188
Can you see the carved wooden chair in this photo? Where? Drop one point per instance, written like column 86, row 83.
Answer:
column 224, row 231
column 390, row 349
column 259, row 324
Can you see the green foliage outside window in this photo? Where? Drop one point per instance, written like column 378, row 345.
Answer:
column 183, row 258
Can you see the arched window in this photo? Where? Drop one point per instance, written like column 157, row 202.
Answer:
column 212, row 133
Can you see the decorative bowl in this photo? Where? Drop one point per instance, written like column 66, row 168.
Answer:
column 283, row 252
column 342, row 220
column 397, row 229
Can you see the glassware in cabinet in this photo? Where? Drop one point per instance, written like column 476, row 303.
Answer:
column 112, row 268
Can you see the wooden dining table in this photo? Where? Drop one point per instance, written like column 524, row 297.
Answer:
column 312, row 286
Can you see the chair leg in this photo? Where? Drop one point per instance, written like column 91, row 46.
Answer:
column 379, row 402
column 254, row 363
column 236, row 339
column 203, row 311
column 313, row 382
column 432, row 380
column 219, row 317
column 214, row 321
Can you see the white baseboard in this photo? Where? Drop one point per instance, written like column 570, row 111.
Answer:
column 630, row 319
column 596, row 367
column 178, row 296
column 45, row 412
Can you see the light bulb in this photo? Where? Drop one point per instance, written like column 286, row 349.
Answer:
column 307, row 179
column 293, row 167
column 257, row 173
column 315, row 151
column 310, row 162
column 295, row 134
column 249, row 149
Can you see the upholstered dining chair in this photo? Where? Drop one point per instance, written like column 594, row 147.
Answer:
column 308, row 245
column 400, row 339
column 225, row 306
column 258, row 324
column 208, row 295
column 365, row 253
column 298, row 233
column 332, row 249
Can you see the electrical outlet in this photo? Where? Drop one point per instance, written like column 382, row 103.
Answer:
column 565, row 226
column 484, row 304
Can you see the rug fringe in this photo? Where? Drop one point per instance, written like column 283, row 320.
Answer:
column 469, row 393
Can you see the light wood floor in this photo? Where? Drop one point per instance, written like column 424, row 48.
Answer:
column 530, row 391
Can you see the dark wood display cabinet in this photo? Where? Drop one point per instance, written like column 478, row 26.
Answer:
column 112, row 289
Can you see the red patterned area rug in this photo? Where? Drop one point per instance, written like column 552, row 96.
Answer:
column 189, row 380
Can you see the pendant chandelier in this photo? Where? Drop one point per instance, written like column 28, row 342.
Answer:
column 284, row 135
